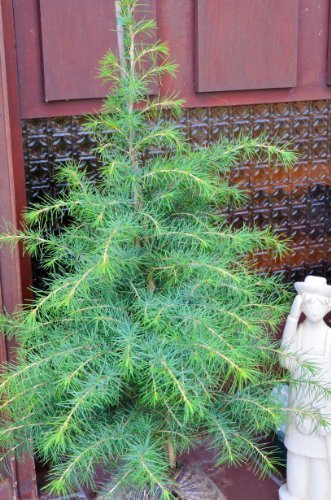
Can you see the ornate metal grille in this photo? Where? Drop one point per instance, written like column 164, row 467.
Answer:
column 297, row 201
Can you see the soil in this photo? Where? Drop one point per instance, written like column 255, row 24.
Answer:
column 231, row 483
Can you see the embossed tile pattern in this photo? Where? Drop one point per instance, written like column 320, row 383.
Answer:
column 297, row 202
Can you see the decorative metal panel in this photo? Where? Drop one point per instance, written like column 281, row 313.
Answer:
column 295, row 201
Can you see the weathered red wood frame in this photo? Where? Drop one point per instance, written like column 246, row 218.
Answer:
column 177, row 24
column 15, row 274
column 329, row 50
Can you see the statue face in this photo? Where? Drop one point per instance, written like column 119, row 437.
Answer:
column 315, row 308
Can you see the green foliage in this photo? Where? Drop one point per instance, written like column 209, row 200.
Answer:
column 154, row 328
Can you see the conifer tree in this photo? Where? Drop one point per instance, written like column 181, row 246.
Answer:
column 154, row 328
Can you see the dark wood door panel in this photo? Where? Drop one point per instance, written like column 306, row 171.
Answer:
column 246, row 44
column 75, row 35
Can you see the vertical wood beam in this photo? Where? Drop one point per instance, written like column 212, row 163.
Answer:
column 328, row 70
column 15, row 270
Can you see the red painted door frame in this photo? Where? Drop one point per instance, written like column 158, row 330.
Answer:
column 15, row 270
column 328, row 76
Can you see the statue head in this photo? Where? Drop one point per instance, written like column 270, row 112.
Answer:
column 316, row 297
column 315, row 307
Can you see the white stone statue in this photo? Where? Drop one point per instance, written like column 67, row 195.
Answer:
column 308, row 445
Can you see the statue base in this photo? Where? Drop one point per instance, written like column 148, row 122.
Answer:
column 284, row 494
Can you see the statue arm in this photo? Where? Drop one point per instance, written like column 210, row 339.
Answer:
column 290, row 330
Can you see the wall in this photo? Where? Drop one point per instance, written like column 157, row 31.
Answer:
column 229, row 52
